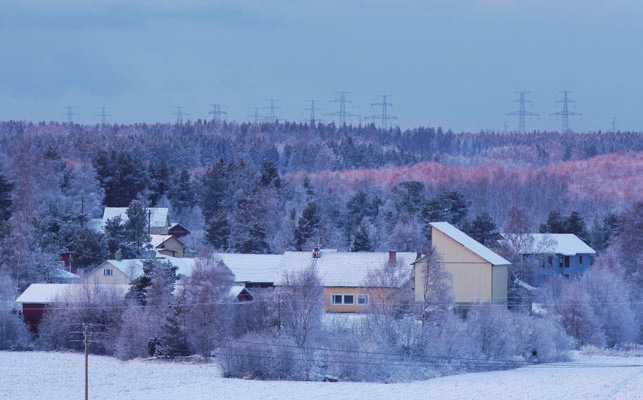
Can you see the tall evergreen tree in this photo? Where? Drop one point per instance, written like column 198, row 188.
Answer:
column 483, row 229
column 308, row 226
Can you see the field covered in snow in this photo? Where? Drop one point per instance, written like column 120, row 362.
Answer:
column 40, row 375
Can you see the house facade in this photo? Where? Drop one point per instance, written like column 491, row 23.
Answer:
column 478, row 274
column 167, row 245
column 352, row 281
column 552, row 254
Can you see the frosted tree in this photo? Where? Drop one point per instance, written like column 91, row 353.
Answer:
column 438, row 300
column 301, row 305
column 206, row 303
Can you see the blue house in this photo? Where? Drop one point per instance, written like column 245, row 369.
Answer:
column 552, row 254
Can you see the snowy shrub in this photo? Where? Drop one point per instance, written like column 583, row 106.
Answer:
column 258, row 356
column 135, row 331
column 13, row 332
column 541, row 339
column 491, row 328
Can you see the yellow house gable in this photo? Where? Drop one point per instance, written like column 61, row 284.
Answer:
column 108, row 274
column 478, row 274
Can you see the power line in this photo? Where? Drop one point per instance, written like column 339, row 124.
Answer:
column 565, row 113
column 522, row 112
column 70, row 114
column 384, row 117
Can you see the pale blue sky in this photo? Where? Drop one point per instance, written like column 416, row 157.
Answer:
column 445, row 63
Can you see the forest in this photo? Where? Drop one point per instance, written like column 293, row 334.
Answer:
column 274, row 187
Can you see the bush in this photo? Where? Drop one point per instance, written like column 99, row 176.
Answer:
column 261, row 356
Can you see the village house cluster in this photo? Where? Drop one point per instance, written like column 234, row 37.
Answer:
column 476, row 273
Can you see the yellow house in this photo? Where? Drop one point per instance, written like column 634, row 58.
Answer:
column 122, row 272
column 478, row 274
column 346, row 277
column 167, row 245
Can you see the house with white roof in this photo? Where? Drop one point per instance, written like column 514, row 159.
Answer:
column 478, row 274
column 346, row 277
column 122, row 272
column 158, row 218
column 167, row 245
column 555, row 254
column 253, row 270
column 38, row 296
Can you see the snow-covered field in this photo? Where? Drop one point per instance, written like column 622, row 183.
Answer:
column 37, row 375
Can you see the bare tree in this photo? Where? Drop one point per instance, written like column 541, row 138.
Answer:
column 206, row 300
column 438, row 293
column 301, row 304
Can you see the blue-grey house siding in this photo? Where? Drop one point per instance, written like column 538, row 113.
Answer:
column 568, row 266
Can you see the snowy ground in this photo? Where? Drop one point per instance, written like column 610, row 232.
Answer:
column 35, row 375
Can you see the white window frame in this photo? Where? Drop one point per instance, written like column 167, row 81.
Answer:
column 362, row 299
column 342, row 297
column 108, row 272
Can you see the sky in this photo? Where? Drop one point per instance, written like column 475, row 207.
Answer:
column 451, row 63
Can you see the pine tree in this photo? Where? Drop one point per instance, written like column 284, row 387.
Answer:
column 174, row 340
column 361, row 240
column 483, row 230
column 308, row 226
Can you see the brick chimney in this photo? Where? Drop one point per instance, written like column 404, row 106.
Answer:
column 392, row 256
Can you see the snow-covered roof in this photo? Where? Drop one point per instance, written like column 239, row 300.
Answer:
column 245, row 267
column 46, row 293
column 470, row 243
column 134, row 267
column 236, row 290
column 159, row 216
column 64, row 274
column 341, row 269
column 251, row 267
column 566, row 244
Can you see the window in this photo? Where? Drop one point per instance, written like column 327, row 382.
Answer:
column 580, row 259
column 567, row 261
column 560, row 261
column 362, row 299
column 343, row 299
column 108, row 272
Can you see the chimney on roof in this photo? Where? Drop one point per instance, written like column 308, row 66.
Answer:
column 392, row 256
column 316, row 252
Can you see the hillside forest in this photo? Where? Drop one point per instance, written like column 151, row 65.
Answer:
column 274, row 187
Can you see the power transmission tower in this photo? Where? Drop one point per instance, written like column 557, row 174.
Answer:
column 614, row 124
column 217, row 113
column 103, row 116
column 271, row 117
column 256, row 117
column 70, row 114
column 565, row 113
column 313, row 120
column 522, row 112
column 384, row 117
column 342, row 113
column 180, row 114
